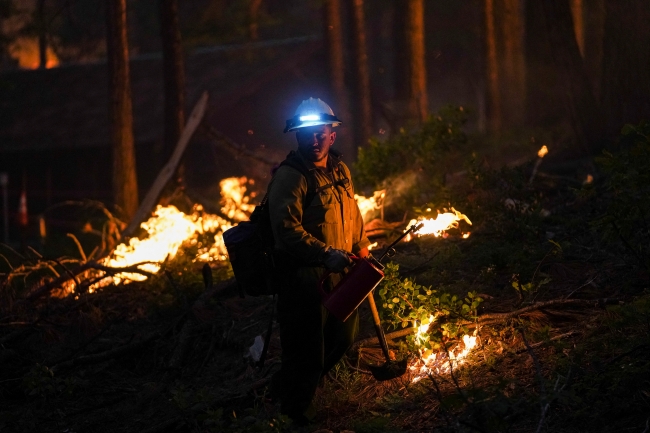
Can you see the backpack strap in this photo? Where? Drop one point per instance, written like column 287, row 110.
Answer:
column 293, row 160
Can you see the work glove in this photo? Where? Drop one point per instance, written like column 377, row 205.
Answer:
column 335, row 260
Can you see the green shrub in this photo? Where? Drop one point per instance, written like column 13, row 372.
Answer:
column 420, row 150
column 626, row 218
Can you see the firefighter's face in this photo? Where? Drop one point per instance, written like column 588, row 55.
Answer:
column 315, row 141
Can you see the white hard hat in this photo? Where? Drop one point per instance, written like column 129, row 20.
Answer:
column 312, row 112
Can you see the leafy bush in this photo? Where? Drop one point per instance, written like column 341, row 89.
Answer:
column 626, row 219
column 407, row 302
column 419, row 150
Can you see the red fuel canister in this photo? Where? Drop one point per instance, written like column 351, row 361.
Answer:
column 347, row 295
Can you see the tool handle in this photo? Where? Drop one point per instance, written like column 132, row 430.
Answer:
column 326, row 275
column 380, row 332
column 414, row 227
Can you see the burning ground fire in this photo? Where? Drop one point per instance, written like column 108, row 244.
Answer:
column 169, row 229
column 442, row 362
column 439, row 225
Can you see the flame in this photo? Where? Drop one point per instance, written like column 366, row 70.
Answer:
column 169, row 228
column 25, row 50
column 438, row 362
column 234, row 199
column 369, row 204
column 438, row 225
column 372, row 245
column 542, row 151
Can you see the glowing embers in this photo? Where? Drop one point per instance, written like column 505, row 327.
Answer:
column 440, row 362
column 440, row 224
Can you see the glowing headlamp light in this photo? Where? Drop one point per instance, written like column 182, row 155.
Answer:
column 309, row 117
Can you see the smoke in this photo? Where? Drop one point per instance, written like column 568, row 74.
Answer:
column 399, row 187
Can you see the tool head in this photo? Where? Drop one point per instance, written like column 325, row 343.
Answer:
column 388, row 370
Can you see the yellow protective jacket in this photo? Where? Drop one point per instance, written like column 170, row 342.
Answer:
column 331, row 219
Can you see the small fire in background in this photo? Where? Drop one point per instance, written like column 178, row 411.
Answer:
column 441, row 362
column 26, row 51
column 169, row 228
column 439, row 225
column 369, row 204
column 541, row 153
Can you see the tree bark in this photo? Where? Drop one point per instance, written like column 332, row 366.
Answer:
column 493, row 88
column 125, row 185
column 362, row 76
column 582, row 108
column 336, row 72
column 578, row 14
column 625, row 82
column 174, row 79
column 418, row 98
column 513, row 85
column 42, row 36
column 253, row 19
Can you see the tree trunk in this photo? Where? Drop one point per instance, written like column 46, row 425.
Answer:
column 625, row 82
column 594, row 18
column 578, row 14
column 513, row 85
column 362, row 76
column 418, row 98
column 174, row 79
column 42, row 36
column 400, row 72
column 253, row 19
column 579, row 101
column 125, row 185
column 336, row 72
column 494, row 87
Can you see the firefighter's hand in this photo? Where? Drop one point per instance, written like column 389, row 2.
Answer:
column 336, row 260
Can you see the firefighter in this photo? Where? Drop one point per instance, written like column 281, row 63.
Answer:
column 312, row 237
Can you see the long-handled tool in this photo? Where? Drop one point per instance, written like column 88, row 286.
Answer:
column 391, row 368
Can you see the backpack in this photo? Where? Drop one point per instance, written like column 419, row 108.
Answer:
column 250, row 244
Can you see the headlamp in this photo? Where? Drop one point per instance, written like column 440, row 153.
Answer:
column 299, row 121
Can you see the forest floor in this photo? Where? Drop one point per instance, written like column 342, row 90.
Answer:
column 563, row 332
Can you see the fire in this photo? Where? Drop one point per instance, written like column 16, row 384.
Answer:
column 235, row 201
column 169, row 228
column 438, row 225
column 438, row 362
column 25, row 50
column 369, row 204
column 542, row 151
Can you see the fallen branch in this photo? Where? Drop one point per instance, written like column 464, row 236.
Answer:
column 491, row 318
column 169, row 169
column 597, row 303
column 73, row 273
column 542, row 343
